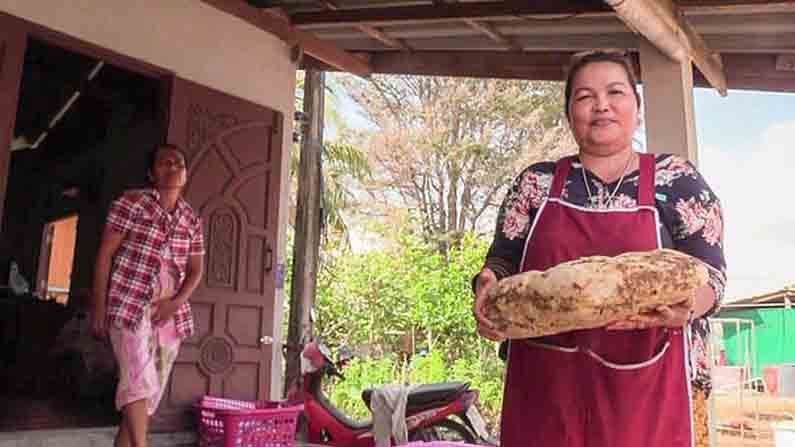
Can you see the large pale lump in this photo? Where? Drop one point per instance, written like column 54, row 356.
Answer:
column 592, row 291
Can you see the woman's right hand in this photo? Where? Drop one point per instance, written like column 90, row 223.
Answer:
column 99, row 326
column 486, row 280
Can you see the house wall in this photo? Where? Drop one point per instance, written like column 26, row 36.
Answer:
column 196, row 42
column 770, row 343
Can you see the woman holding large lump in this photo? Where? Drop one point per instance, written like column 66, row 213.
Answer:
column 604, row 351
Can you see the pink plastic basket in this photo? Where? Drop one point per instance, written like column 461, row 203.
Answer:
column 237, row 423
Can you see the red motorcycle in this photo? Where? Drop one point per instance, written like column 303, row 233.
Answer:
column 434, row 412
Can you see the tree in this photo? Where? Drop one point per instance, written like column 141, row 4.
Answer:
column 447, row 147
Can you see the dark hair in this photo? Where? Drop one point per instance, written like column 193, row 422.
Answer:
column 151, row 159
column 580, row 60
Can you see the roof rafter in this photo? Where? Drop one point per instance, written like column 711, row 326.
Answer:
column 487, row 29
column 493, row 34
column 459, row 11
column 372, row 31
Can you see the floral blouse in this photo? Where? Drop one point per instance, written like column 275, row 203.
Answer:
column 690, row 215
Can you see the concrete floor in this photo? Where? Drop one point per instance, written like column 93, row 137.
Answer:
column 87, row 437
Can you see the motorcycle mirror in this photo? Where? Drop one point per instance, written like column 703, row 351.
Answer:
column 326, row 352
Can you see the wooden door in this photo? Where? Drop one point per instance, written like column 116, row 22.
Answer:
column 13, row 38
column 234, row 150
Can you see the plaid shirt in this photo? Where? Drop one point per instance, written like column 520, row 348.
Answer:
column 149, row 232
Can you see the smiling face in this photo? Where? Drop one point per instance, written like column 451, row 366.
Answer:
column 603, row 109
column 168, row 170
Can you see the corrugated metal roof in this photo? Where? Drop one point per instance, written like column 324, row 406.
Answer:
column 778, row 296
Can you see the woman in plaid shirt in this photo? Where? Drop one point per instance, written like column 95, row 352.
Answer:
column 149, row 263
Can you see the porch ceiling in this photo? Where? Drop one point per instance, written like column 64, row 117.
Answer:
column 533, row 39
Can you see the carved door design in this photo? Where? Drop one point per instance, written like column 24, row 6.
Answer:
column 234, row 158
column 12, row 55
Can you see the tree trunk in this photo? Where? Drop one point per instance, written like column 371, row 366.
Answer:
column 307, row 226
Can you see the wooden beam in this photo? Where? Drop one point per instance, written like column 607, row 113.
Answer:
column 254, row 16
column 307, row 224
column 753, row 72
column 320, row 49
column 537, row 66
column 744, row 71
column 384, row 38
column 493, row 34
column 331, row 54
column 660, row 23
column 780, row 43
column 460, row 11
column 372, row 31
column 272, row 22
column 488, row 10
column 708, row 61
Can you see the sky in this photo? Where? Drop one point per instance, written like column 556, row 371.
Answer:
column 746, row 145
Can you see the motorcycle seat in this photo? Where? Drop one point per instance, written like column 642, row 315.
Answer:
column 427, row 395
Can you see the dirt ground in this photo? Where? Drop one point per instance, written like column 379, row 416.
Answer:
column 746, row 421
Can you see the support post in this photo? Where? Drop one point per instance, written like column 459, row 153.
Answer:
column 668, row 103
column 307, row 225
column 670, row 127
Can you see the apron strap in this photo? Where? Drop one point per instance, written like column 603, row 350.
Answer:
column 646, row 180
column 562, row 168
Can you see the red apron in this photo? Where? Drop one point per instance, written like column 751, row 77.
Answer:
column 596, row 388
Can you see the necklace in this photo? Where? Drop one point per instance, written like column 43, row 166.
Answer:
column 610, row 196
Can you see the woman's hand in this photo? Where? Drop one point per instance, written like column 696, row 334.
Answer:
column 485, row 281
column 164, row 311
column 673, row 316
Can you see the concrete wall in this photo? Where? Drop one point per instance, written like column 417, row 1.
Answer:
column 195, row 41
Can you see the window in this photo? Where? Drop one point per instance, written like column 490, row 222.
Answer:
column 57, row 258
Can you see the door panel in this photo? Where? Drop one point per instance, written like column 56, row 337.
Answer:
column 12, row 56
column 234, row 152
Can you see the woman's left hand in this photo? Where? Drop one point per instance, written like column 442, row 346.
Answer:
column 673, row 316
column 164, row 311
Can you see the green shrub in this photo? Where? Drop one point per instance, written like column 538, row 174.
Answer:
column 407, row 313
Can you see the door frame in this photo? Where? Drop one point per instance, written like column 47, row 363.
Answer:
column 12, row 59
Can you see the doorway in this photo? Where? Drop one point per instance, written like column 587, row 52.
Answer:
column 89, row 150
column 83, row 130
